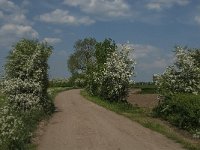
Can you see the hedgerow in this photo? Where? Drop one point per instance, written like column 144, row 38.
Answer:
column 179, row 89
column 25, row 87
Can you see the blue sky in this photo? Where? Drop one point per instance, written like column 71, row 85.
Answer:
column 152, row 27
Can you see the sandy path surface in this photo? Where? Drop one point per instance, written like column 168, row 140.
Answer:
column 83, row 125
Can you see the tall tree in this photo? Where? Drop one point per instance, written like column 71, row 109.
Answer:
column 103, row 50
column 83, row 56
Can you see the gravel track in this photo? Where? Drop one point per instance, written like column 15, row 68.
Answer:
column 82, row 125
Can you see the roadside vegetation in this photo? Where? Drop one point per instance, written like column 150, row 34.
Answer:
column 179, row 89
column 103, row 68
column 2, row 99
column 146, row 87
column 25, row 89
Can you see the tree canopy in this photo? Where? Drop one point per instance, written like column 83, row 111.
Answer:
column 83, row 55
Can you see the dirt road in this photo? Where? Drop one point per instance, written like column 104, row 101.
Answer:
column 82, row 125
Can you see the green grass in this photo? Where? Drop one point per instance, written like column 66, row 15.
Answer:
column 143, row 117
column 53, row 91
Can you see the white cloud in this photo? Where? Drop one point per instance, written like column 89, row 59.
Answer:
column 19, row 30
column 11, row 13
column 1, row 15
column 163, row 4
column 25, row 3
column 142, row 51
column 149, row 57
column 197, row 19
column 52, row 40
column 149, row 60
column 7, row 5
column 102, row 8
column 14, row 24
column 57, row 31
column 59, row 16
column 154, row 6
column 9, row 33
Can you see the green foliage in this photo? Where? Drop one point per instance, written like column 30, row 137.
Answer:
column 183, row 76
column 26, row 78
column 110, row 77
column 59, row 83
column 83, row 56
column 2, row 99
column 77, row 81
column 182, row 110
column 146, row 88
column 179, row 87
column 195, row 53
column 11, row 127
column 25, row 87
column 103, row 50
column 101, row 67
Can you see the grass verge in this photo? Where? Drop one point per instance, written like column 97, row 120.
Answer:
column 143, row 117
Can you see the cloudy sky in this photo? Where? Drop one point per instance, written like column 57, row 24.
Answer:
column 152, row 27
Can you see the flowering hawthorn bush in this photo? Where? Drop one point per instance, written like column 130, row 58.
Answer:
column 26, row 79
column 25, row 87
column 12, row 130
column 179, row 87
column 112, row 81
column 183, row 77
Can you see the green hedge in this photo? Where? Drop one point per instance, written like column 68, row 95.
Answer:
column 182, row 110
column 59, row 83
column 146, row 88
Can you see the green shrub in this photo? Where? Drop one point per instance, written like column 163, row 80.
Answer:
column 11, row 128
column 111, row 77
column 149, row 91
column 26, row 78
column 182, row 110
column 146, row 87
column 25, row 88
column 59, row 83
column 183, row 76
column 77, row 80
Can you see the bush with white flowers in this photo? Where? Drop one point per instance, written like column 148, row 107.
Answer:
column 179, row 87
column 12, row 130
column 183, row 76
column 26, row 79
column 25, row 88
column 112, row 81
